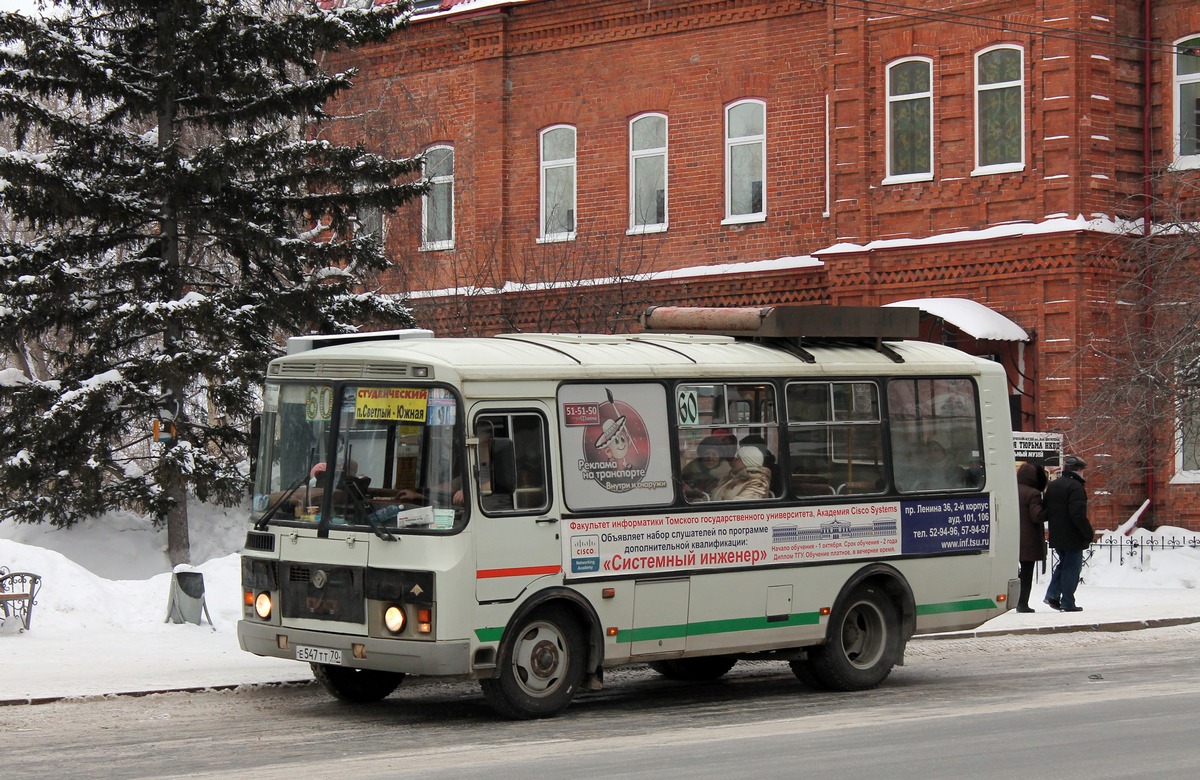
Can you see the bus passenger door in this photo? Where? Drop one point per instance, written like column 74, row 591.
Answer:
column 516, row 535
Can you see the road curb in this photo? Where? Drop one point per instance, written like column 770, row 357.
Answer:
column 1125, row 625
column 136, row 694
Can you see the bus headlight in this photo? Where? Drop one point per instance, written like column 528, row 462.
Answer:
column 394, row 619
column 262, row 605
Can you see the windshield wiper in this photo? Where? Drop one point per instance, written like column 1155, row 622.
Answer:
column 261, row 523
column 365, row 510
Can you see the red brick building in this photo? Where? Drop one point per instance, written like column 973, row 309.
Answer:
column 590, row 158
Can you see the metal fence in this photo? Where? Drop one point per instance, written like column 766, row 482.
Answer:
column 1121, row 550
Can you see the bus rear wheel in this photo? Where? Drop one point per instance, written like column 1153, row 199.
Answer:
column 694, row 669
column 541, row 666
column 803, row 670
column 863, row 644
column 357, row 686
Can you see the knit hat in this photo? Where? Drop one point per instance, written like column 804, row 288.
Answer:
column 751, row 457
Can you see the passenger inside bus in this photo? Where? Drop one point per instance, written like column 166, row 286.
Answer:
column 708, row 468
column 748, row 479
column 769, row 461
column 934, row 469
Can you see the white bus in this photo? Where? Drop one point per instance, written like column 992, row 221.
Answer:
column 791, row 483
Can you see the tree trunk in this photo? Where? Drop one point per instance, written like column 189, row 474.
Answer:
column 179, row 545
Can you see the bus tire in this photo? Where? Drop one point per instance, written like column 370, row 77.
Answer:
column 357, row 686
column 710, row 667
column 541, row 666
column 863, row 643
column 804, row 673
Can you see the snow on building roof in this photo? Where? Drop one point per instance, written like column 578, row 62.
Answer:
column 971, row 317
column 1050, row 225
column 425, row 9
column 753, row 266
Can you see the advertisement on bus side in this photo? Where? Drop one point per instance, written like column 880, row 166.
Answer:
column 613, row 454
column 737, row 538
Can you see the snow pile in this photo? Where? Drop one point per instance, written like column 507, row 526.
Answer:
column 99, row 624
column 113, row 571
column 1168, row 557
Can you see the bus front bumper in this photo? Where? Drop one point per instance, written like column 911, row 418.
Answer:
column 390, row 655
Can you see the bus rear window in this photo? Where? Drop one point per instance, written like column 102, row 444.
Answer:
column 934, row 427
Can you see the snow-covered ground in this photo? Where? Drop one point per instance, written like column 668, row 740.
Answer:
column 99, row 624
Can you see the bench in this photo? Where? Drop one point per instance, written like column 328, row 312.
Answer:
column 18, row 594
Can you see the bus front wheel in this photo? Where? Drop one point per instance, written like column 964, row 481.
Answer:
column 357, row 686
column 541, row 666
column 863, row 643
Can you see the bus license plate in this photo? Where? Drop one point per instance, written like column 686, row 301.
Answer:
column 319, row 655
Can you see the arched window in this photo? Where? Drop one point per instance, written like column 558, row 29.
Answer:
column 909, row 121
column 746, row 161
column 999, row 110
column 437, row 204
column 558, row 183
column 648, row 174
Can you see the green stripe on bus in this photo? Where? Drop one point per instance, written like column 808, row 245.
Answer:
column 650, row 633
column 489, row 634
column 955, row 606
column 730, row 626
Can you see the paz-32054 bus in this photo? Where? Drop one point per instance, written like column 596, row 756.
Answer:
column 792, row 483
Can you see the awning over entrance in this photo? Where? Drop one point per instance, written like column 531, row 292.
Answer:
column 971, row 317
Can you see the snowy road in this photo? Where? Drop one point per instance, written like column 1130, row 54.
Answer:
column 1067, row 706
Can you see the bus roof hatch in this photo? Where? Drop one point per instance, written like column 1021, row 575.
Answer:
column 298, row 344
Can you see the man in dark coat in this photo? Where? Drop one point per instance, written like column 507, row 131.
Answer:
column 1031, row 481
column 1070, row 533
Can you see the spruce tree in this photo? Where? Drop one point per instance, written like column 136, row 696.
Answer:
column 174, row 217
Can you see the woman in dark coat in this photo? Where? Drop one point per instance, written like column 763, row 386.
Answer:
column 1031, row 481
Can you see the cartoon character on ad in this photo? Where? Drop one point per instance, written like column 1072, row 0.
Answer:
column 616, row 448
column 611, row 434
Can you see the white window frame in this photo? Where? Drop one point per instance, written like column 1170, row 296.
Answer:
column 545, row 166
column 642, row 154
column 902, row 178
column 1182, row 475
column 1181, row 161
column 1006, row 167
column 746, row 140
column 426, row 244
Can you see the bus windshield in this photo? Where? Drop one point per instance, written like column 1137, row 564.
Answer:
column 359, row 455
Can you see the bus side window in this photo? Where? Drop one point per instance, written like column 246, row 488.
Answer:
column 835, row 438
column 512, row 463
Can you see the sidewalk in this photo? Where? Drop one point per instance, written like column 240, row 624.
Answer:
column 49, row 663
column 1104, row 609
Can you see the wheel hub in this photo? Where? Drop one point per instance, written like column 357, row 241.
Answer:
column 544, row 659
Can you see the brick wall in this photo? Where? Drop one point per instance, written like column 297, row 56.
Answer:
column 488, row 83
